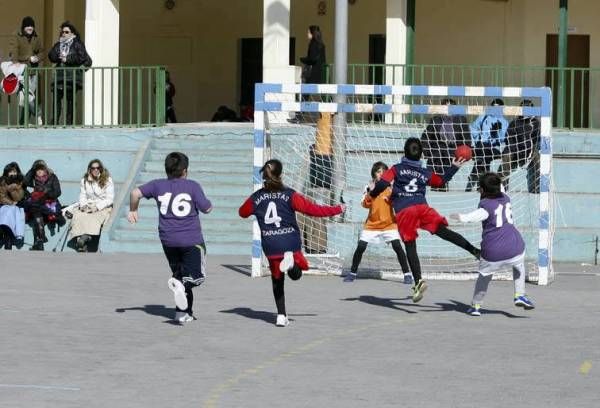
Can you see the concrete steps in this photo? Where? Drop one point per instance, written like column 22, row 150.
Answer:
column 222, row 164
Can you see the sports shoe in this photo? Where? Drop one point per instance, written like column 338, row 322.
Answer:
column 282, row 320
column 287, row 262
column 474, row 310
column 418, row 291
column 350, row 277
column 178, row 293
column 524, row 302
column 183, row 317
column 408, row 279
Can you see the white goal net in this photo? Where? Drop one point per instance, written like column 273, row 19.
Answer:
column 329, row 159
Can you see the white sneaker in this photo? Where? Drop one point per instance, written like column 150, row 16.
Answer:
column 287, row 263
column 282, row 320
column 183, row 317
column 179, row 293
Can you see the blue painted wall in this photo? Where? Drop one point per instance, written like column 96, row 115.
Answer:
column 221, row 159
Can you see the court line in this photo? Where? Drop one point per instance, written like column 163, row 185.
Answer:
column 40, row 387
column 216, row 393
column 585, row 367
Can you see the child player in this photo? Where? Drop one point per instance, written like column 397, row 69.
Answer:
column 409, row 182
column 380, row 226
column 179, row 201
column 274, row 207
column 501, row 244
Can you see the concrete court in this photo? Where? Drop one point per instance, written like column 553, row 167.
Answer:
column 95, row 331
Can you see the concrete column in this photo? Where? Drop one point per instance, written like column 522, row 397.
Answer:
column 54, row 16
column 276, row 42
column 276, row 47
column 339, row 122
column 102, row 43
column 395, row 48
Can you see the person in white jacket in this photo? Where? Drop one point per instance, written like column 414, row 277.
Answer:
column 96, row 198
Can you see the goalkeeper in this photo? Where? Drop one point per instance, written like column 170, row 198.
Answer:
column 409, row 181
column 379, row 226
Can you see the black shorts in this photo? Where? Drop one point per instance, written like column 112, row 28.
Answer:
column 188, row 264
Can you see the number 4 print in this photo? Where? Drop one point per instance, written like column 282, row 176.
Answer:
column 271, row 216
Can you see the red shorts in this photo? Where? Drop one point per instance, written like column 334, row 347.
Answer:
column 418, row 216
column 275, row 260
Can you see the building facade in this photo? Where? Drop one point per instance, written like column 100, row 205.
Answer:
column 213, row 49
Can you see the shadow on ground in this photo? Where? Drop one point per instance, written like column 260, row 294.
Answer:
column 153, row 310
column 452, row 306
column 268, row 317
column 243, row 269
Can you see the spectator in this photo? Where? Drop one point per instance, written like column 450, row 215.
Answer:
column 169, row 94
column 440, row 139
column 26, row 48
column 488, row 132
column 12, row 215
column 96, row 197
column 68, row 53
column 224, row 114
column 313, row 63
column 522, row 147
column 42, row 207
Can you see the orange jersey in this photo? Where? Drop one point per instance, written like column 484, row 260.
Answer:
column 381, row 215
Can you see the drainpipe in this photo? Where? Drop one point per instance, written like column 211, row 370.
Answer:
column 563, row 23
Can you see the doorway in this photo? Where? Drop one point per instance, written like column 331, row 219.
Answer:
column 251, row 66
column 577, row 94
column 377, row 68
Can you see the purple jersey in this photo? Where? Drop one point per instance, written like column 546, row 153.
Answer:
column 277, row 219
column 500, row 239
column 179, row 201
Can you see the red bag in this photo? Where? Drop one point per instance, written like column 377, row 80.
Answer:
column 10, row 84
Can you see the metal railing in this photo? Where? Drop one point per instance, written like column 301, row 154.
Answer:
column 126, row 96
column 582, row 85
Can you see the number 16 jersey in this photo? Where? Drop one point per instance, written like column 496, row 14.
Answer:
column 179, row 201
column 500, row 238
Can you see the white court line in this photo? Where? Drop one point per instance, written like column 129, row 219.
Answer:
column 40, row 387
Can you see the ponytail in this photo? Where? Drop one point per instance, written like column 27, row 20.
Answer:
column 271, row 173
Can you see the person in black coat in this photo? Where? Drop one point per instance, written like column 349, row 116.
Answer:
column 443, row 134
column 314, row 62
column 522, row 148
column 68, row 52
column 42, row 207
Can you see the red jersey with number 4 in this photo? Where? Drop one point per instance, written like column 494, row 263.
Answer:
column 275, row 212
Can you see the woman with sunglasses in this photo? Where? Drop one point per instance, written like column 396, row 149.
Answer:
column 96, row 198
column 68, row 53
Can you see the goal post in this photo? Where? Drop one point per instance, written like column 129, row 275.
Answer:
column 291, row 121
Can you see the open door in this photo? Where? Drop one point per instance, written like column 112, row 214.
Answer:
column 577, row 82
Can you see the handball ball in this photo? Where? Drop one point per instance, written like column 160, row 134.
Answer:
column 463, row 151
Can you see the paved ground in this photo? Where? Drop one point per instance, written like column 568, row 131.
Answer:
column 95, row 331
